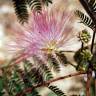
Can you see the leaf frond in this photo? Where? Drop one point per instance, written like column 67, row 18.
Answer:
column 35, row 5
column 47, row 2
column 62, row 58
column 32, row 73
column 54, row 63
column 21, row 10
column 85, row 19
column 43, row 69
column 92, row 4
column 56, row 90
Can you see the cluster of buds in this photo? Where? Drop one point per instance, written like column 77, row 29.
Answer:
column 86, row 55
column 82, row 57
column 84, row 36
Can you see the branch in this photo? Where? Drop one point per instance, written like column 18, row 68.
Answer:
column 93, row 40
column 46, row 83
column 88, row 83
column 95, row 82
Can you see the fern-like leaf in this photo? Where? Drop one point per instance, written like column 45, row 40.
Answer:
column 16, row 84
column 33, row 93
column 35, row 5
column 92, row 4
column 94, row 60
column 32, row 73
column 56, row 90
column 46, row 2
column 54, row 63
column 46, row 72
column 1, row 86
column 85, row 19
column 21, row 10
column 21, row 80
column 43, row 68
column 62, row 58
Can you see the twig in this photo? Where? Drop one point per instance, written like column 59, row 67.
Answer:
column 72, row 64
column 46, row 83
column 68, row 51
column 82, row 46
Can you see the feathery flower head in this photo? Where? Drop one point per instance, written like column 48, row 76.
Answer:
column 47, row 32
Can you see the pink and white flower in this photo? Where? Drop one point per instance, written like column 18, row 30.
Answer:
column 45, row 33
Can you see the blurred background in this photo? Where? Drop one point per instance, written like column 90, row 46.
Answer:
column 7, row 18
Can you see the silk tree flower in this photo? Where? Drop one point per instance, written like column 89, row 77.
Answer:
column 47, row 32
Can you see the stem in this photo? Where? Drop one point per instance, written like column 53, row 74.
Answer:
column 92, row 46
column 95, row 82
column 71, row 64
column 93, row 39
column 78, row 65
column 95, row 87
column 89, row 74
column 68, row 51
column 82, row 46
column 88, row 86
column 46, row 83
column 88, row 83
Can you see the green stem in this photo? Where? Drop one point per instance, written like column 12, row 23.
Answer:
column 71, row 64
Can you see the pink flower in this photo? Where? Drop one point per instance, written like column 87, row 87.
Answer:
column 47, row 32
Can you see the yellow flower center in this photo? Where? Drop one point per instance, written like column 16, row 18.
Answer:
column 50, row 47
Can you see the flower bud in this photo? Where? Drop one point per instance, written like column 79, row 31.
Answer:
column 84, row 36
column 86, row 55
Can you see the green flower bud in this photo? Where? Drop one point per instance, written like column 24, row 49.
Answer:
column 86, row 55
column 83, row 66
column 84, row 36
column 82, row 57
